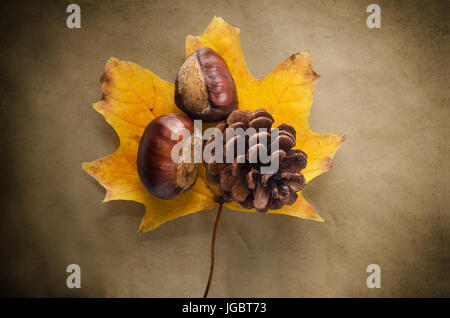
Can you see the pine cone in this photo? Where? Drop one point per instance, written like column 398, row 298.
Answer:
column 243, row 181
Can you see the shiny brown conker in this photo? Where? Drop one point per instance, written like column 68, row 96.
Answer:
column 204, row 87
column 162, row 176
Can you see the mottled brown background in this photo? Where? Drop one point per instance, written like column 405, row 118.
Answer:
column 385, row 201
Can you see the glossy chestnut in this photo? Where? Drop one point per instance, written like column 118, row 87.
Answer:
column 204, row 87
column 160, row 174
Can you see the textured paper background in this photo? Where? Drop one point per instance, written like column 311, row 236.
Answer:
column 385, row 201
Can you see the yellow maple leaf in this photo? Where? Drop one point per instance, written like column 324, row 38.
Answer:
column 133, row 96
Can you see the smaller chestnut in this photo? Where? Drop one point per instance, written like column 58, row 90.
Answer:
column 162, row 176
column 204, row 87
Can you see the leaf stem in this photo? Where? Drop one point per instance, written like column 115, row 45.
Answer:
column 213, row 243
